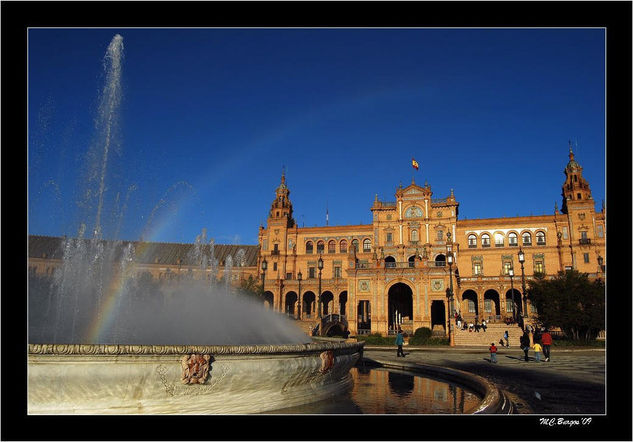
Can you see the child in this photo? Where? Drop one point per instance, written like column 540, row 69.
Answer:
column 537, row 351
column 493, row 353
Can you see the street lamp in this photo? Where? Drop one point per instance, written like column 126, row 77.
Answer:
column 522, row 260
column 600, row 263
column 320, row 267
column 511, row 273
column 299, row 278
column 449, row 259
column 264, row 267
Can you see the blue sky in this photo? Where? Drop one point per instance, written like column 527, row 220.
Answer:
column 210, row 116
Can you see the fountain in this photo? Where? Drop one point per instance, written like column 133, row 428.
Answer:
column 104, row 338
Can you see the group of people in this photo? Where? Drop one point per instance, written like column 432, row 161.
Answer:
column 463, row 325
column 542, row 344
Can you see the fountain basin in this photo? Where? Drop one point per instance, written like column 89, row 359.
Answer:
column 155, row 379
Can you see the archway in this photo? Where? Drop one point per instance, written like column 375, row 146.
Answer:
column 492, row 306
column 363, row 323
column 308, row 304
column 513, row 304
column 269, row 300
column 440, row 260
column 390, row 262
column 342, row 300
column 438, row 316
column 291, row 301
column 411, row 261
column 470, row 304
column 400, row 298
column 327, row 302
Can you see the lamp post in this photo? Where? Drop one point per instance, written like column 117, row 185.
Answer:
column 264, row 267
column 522, row 260
column 601, row 263
column 449, row 259
column 511, row 273
column 299, row 277
column 320, row 267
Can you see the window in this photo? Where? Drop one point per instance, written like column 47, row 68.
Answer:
column 540, row 238
column 565, row 234
column 507, row 265
column 265, row 245
column 539, row 267
column 600, row 231
column 414, row 235
column 509, row 305
column 343, row 246
column 355, row 244
column 320, row 247
column 477, row 269
column 527, row 239
column 485, row 240
column 337, row 272
column 579, row 196
column 440, row 235
column 498, row 240
column 583, row 235
column 389, row 237
column 331, row 247
column 512, row 239
column 288, row 275
column 274, row 266
column 472, row 241
column 471, row 306
column 311, row 272
column 309, row 247
column 488, row 305
column 413, row 212
column 585, row 257
column 367, row 245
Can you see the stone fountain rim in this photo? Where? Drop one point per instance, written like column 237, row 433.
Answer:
column 126, row 349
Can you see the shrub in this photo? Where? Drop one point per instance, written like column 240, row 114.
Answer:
column 422, row 336
column 377, row 339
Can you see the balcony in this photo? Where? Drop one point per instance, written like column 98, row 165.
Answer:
column 485, row 245
column 584, row 241
column 472, row 246
column 399, row 265
column 274, row 252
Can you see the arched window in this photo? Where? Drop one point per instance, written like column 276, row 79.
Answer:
column 512, row 239
column 331, row 247
column 320, row 247
column 309, row 247
column 367, row 245
column 355, row 245
column 343, row 246
column 472, row 241
column 440, row 260
column 413, row 212
column 540, row 238
column 498, row 240
column 414, row 235
column 527, row 238
column 485, row 240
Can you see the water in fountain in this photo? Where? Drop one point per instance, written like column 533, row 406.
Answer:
column 99, row 295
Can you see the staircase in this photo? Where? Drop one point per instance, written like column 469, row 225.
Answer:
column 306, row 325
column 493, row 333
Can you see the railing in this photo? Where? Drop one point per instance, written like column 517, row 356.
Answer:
column 527, row 244
column 472, row 246
column 399, row 265
column 274, row 252
column 583, row 241
column 438, row 200
column 485, row 245
column 363, row 331
column 363, row 265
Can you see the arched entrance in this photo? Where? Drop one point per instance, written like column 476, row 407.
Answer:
column 308, row 304
column 269, row 299
column 342, row 300
column 291, row 302
column 440, row 260
column 364, row 318
column 513, row 304
column 470, row 307
column 327, row 302
column 492, row 307
column 400, row 309
column 438, row 317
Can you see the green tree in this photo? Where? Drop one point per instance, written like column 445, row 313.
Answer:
column 570, row 301
column 252, row 287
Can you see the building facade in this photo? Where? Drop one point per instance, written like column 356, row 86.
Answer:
column 394, row 272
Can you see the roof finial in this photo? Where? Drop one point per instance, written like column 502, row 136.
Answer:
column 283, row 173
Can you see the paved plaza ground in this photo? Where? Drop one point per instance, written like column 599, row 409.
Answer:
column 573, row 382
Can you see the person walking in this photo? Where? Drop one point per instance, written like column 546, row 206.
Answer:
column 506, row 336
column 399, row 343
column 525, row 344
column 483, row 324
column 537, row 351
column 546, row 340
column 493, row 353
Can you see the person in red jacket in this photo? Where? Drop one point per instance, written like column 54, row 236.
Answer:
column 493, row 353
column 546, row 340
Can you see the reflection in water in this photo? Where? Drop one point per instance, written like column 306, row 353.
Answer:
column 380, row 391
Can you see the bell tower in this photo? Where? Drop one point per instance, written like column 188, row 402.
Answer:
column 281, row 207
column 576, row 190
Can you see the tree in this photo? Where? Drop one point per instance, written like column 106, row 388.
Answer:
column 252, row 287
column 570, row 301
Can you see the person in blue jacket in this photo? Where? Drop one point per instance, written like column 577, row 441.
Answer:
column 399, row 342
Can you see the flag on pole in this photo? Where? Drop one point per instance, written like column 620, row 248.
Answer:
column 415, row 164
